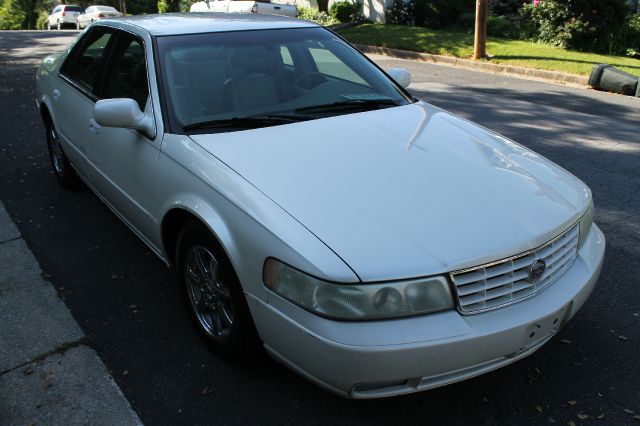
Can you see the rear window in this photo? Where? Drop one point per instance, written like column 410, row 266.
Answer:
column 72, row 9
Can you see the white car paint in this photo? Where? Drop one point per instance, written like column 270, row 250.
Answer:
column 400, row 192
column 245, row 6
column 95, row 13
column 61, row 15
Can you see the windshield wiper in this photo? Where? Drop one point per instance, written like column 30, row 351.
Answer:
column 249, row 122
column 351, row 104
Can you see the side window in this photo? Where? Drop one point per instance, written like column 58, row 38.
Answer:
column 55, row 10
column 127, row 72
column 85, row 62
column 329, row 64
column 286, row 56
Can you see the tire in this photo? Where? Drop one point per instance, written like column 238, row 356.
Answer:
column 213, row 295
column 60, row 164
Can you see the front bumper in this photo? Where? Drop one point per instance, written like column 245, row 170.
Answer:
column 384, row 358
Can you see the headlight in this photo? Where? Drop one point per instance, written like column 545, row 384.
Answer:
column 585, row 224
column 358, row 301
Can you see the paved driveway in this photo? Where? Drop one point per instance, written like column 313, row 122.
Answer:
column 127, row 303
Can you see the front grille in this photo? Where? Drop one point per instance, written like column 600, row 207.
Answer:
column 506, row 281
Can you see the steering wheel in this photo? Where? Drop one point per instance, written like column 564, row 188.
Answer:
column 309, row 80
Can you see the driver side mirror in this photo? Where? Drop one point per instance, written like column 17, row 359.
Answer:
column 401, row 75
column 123, row 112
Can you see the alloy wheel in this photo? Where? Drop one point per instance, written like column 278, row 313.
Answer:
column 208, row 292
column 57, row 155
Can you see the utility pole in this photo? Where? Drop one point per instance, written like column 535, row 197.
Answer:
column 480, row 43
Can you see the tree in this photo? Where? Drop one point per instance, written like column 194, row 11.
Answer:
column 165, row 6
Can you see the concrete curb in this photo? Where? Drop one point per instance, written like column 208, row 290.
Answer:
column 555, row 76
column 47, row 374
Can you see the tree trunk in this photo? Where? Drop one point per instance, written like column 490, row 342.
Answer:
column 480, row 44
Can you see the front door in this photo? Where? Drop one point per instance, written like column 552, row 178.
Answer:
column 125, row 160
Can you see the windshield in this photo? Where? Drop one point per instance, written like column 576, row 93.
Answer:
column 222, row 82
column 105, row 9
column 73, row 9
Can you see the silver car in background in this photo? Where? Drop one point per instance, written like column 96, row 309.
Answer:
column 374, row 243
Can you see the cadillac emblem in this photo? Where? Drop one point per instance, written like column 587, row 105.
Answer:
column 536, row 270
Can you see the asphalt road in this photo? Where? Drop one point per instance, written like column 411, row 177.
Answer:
column 128, row 305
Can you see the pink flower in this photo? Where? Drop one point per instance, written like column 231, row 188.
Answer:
column 536, row 3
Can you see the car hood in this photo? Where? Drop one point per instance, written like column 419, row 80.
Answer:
column 407, row 191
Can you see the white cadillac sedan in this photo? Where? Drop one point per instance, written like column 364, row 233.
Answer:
column 375, row 244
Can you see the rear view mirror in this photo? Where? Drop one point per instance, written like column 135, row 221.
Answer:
column 401, row 76
column 123, row 112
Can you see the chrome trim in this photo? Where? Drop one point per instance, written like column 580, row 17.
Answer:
column 510, row 259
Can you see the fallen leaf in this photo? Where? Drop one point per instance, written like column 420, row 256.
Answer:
column 538, row 408
column 551, row 420
column 583, row 416
column 125, row 372
column 205, row 391
column 572, row 403
column 571, row 423
column 626, row 410
column 565, row 341
column 637, row 417
column 622, row 337
column 132, row 306
column 600, row 417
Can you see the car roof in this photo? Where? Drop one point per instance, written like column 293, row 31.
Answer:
column 208, row 22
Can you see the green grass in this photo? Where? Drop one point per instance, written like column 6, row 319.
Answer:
column 502, row 51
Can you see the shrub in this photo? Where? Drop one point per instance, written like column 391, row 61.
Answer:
column 580, row 24
column 507, row 7
column 345, row 11
column 400, row 12
column 441, row 13
column 501, row 26
column 41, row 23
column 311, row 14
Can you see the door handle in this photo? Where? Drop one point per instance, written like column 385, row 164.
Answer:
column 94, row 127
column 56, row 95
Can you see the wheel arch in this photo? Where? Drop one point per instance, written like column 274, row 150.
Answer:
column 175, row 220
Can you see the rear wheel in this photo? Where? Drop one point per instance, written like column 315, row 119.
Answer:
column 59, row 161
column 213, row 295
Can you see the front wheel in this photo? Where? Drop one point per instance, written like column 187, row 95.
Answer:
column 59, row 161
column 213, row 295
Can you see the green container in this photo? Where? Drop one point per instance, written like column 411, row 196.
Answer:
column 617, row 81
column 596, row 75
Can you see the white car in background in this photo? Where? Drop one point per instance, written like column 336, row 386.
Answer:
column 374, row 243
column 95, row 13
column 63, row 15
column 245, row 6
